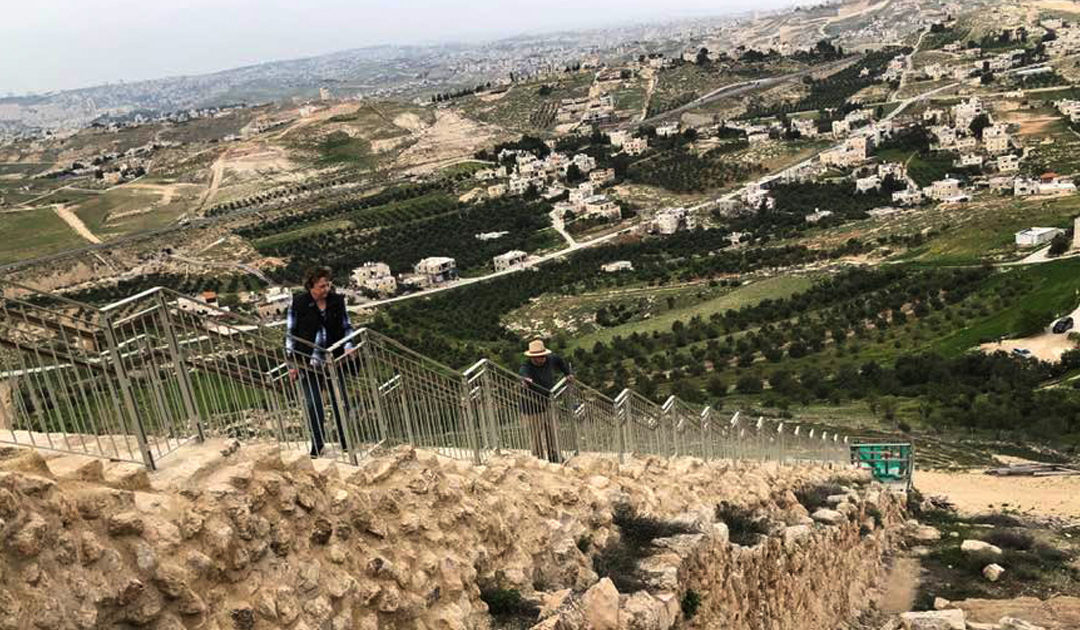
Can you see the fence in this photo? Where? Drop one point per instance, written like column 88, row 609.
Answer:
column 139, row 378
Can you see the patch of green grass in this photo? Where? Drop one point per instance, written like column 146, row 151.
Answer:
column 34, row 233
column 985, row 229
column 771, row 288
column 125, row 211
column 308, row 230
column 341, row 148
column 1054, row 287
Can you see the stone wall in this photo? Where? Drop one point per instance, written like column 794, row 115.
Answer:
column 255, row 538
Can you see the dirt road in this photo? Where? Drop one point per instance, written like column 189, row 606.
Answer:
column 73, row 220
column 975, row 492
column 216, row 172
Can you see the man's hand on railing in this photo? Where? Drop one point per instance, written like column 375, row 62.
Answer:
column 526, row 381
column 294, row 374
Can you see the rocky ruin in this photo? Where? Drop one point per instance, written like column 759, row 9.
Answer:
column 254, row 537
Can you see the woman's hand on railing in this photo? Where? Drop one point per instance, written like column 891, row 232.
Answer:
column 294, row 374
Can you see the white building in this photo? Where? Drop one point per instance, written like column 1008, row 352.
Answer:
column 1024, row 187
column 944, row 189
column 841, row 128
column 496, row 190
column 806, row 127
column 585, row 163
column 1035, row 236
column 668, row 129
column 818, row 215
column 437, row 269
column 1057, row 187
column 509, row 260
column 1008, row 163
column 970, row 159
column 369, row 270
column 758, row 138
column 618, row 265
column 909, row 197
column 671, row 220
column 275, row 304
column 599, row 206
column 383, row 285
column 619, row 137
column 997, row 145
column 490, row 236
column 581, row 193
column 602, row 176
column 866, row 184
column 635, row 146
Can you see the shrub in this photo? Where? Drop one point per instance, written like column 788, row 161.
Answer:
column 1011, row 539
column 690, row 603
column 504, row 602
column 618, row 559
column 815, row 497
column 744, row 527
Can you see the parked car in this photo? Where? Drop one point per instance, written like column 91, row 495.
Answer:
column 1063, row 325
column 1022, row 352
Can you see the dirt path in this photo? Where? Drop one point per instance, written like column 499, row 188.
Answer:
column 216, row 172
column 975, row 492
column 901, row 586
column 75, row 223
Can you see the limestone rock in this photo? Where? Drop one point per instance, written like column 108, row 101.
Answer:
column 601, row 604
column 978, row 546
column 1012, row 623
column 940, row 603
column 925, row 533
column 795, row 533
column 29, row 539
column 993, row 572
column 934, row 620
column 126, row 524
column 828, row 517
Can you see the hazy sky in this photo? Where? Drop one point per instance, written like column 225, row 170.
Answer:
column 57, row 44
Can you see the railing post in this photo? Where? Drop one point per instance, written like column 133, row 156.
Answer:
column 365, row 353
column 187, row 392
column 470, row 420
column 621, row 422
column 706, row 433
column 337, row 384
column 124, row 385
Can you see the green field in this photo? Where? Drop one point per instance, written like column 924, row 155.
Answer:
column 753, row 293
column 34, row 233
column 985, row 229
column 135, row 209
column 1051, row 287
column 299, row 233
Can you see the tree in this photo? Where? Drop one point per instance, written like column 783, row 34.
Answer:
column 1031, row 321
column 980, row 122
column 749, row 384
column 717, row 387
column 574, row 174
column 702, row 57
column 1059, row 245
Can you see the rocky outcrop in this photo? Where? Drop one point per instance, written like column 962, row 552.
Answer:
column 259, row 538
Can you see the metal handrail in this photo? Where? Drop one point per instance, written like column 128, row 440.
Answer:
column 152, row 375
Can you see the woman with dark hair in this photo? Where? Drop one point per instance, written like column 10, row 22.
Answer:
column 318, row 317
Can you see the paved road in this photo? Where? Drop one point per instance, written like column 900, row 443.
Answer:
column 736, row 89
column 529, row 265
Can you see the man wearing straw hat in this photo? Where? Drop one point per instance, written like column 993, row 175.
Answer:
column 538, row 377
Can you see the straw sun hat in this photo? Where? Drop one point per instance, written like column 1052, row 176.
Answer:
column 537, row 349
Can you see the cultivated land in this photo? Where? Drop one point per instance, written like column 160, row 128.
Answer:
column 773, row 271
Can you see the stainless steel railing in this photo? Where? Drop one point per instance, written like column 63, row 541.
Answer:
column 139, row 378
